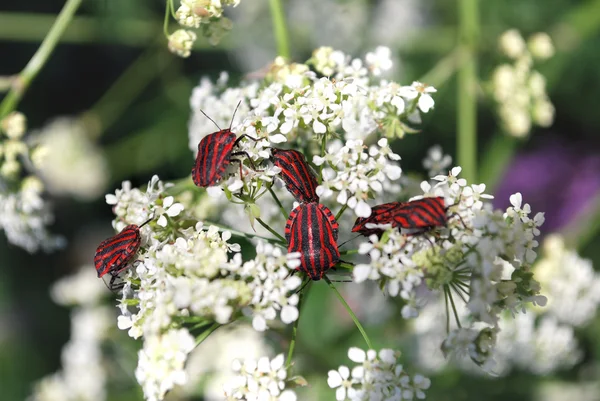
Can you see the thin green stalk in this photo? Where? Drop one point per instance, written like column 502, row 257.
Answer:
column 127, row 87
column 245, row 235
column 341, row 212
column 496, row 158
column 280, row 28
column 207, row 333
column 37, row 62
column 275, row 233
column 466, row 126
column 323, row 144
column 166, row 21
column 352, row 315
column 447, row 311
column 454, row 311
column 302, row 297
column 274, row 195
column 349, row 252
column 443, row 70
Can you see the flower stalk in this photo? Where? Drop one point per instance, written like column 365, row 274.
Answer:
column 280, row 28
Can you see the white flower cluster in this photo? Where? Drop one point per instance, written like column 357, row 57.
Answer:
column 356, row 174
column 378, row 376
column 83, row 376
column 71, row 164
column 259, row 380
column 23, row 213
column 518, row 89
column 161, row 362
column 483, row 256
column 205, row 14
column 436, row 162
column 188, row 274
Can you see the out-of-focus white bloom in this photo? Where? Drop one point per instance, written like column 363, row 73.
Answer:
column 181, row 42
column 572, row 285
column 83, row 375
column 24, row 216
column 72, row 164
column 512, row 44
column 211, row 361
column 379, row 61
column 518, row 89
column 539, row 347
column 436, row 162
column 356, row 174
column 377, row 376
column 261, row 379
column 161, row 362
column 561, row 390
column 328, row 61
column 81, row 288
column 14, row 125
column 540, row 45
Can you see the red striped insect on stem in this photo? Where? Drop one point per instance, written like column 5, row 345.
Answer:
column 215, row 153
column 312, row 231
column 114, row 254
column 298, row 176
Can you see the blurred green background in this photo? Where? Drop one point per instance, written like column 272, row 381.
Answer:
column 113, row 66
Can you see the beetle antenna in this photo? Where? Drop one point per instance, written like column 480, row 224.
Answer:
column 233, row 116
column 351, row 239
column 213, row 121
column 146, row 222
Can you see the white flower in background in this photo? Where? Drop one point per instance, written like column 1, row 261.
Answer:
column 83, row 374
column 379, row 61
column 540, row 45
column 356, row 173
column 81, row 288
column 512, row 44
column 24, row 217
column 72, row 164
column 572, row 285
column 328, row 61
column 261, row 379
column 14, row 125
column 181, row 42
column 518, row 89
column 161, row 362
column 377, row 376
column 436, row 162
column 211, row 361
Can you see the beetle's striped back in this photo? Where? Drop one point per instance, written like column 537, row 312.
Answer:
column 113, row 254
column 380, row 214
column 296, row 173
column 421, row 213
column 214, row 153
column 311, row 229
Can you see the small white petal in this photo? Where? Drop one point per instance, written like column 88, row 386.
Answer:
column 278, row 138
column 168, row 201
column 214, row 192
column 334, row 379
column 289, row 314
column 162, row 221
column 356, row 355
column 516, row 200
column 362, row 209
column 175, row 210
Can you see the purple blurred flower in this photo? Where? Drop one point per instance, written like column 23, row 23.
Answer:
column 557, row 178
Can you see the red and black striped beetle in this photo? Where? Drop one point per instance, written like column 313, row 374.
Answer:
column 214, row 154
column 297, row 175
column 424, row 213
column 311, row 229
column 114, row 254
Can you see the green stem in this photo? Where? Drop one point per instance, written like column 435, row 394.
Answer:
column 245, row 235
column 496, row 158
column 127, row 87
column 37, row 62
column 274, row 195
column 454, row 311
column 302, row 297
column 341, row 212
column 323, row 144
column 352, row 315
column 207, row 333
column 349, row 252
column 466, row 126
column 443, row 70
column 280, row 28
column 275, row 233
column 166, row 21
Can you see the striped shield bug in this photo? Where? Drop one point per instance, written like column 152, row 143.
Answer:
column 297, row 175
column 424, row 213
column 380, row 214
column 311, row 229
column 114, row 254
column 215, row 153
